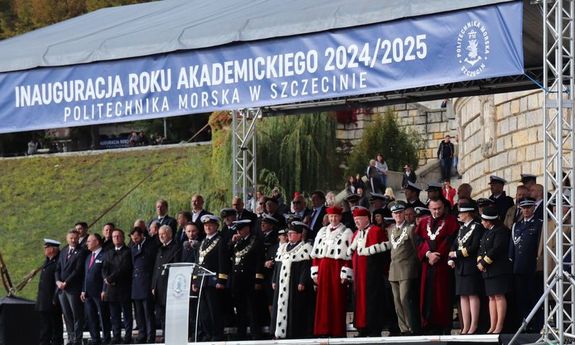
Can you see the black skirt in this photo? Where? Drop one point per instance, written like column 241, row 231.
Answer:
column 497, row 285
column 466, row 285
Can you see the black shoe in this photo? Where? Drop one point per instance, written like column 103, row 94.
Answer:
column 127, row 340
column 116, row 340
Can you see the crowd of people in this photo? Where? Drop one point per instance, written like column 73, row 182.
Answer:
column 295, row 271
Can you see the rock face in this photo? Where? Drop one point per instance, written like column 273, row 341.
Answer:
column 501, row 135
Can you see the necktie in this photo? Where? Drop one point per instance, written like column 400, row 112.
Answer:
column 92, row 260
column 139, row 247
column 69, row 254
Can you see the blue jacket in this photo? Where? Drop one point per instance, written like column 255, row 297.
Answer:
column 524, row 244
column 143, row 258
column 93, row 279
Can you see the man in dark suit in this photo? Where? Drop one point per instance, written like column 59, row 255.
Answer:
column 300, row 210
column 242, row 213
column 198, row 212
column 169, row 252
column 143, row 252
column 162, row 215
column 408, row 176
column 69, row 279
column 82, row 230
column 92, row 295
column 316, row 217
column 501, row 200
column 51, row 328
column 536, row 192
column 107, row 236
column 117, row 272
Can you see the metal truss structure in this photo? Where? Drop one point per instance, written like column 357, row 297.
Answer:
column 559, row 162
column 244, row 173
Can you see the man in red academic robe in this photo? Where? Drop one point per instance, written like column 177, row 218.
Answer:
column 368, row 245
column 435, row 235
column 331, row 271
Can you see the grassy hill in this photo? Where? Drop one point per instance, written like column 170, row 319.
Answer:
column 43, row 196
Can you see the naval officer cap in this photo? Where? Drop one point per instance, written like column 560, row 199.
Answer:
column 282, row 232
column 528, row 177
column 269, row 219
column 489, row 213
column 239, row 224
column 210, row 218
column 527, row 202
column 48, row 242
column 352, row 198
column 466, row 207
column 434, row 186
column 377, row 196
column 397, row 207
column 412, row 186
column 298, row 227
column 422, row 211
column 226, row 212
column 483, row 202
column 497, row 179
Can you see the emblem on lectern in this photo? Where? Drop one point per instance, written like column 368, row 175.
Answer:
column 179, row 285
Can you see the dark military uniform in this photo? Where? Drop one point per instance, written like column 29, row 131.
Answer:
column 493, row 256
column 213, row 256
column 466, row 245
column 247, row 267
column 502, row 204
column 523, row 247
column 51, row 327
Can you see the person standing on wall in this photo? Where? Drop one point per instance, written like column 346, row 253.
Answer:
column 445, row 155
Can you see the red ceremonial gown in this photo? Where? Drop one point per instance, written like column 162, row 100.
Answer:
column 436, row 290
column 368, row 247
column 331, row 263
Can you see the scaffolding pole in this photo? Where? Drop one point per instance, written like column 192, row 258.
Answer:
column 244, row 173
column 558, row 142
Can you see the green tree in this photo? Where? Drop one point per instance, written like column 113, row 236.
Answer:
column 299, row 152
column 398, row 145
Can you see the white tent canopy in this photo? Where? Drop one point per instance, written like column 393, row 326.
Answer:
column 171, row 25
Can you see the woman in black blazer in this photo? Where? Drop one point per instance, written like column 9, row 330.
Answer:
column 493, row 261
column 462, row 258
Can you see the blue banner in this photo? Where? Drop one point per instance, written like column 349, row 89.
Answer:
column 444, row 48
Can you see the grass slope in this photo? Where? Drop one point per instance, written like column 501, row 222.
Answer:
column 44, row 196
